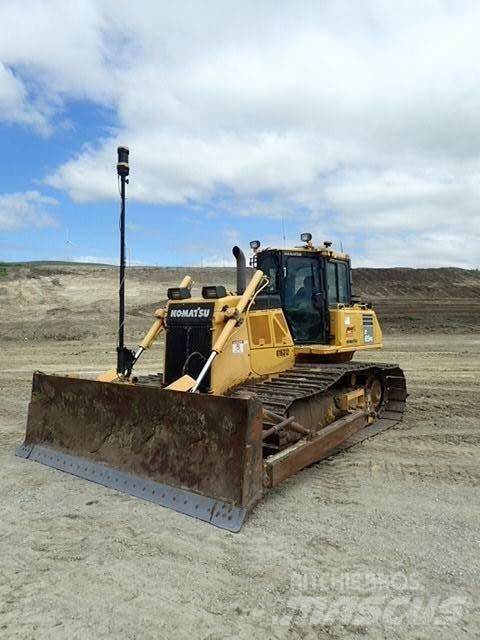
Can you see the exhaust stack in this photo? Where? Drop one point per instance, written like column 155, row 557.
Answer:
column 241, row 270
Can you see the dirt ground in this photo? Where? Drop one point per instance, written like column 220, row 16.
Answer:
column 381, row 541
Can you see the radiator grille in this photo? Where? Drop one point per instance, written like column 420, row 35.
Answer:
column 187, row 347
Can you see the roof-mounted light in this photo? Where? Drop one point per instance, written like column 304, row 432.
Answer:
column 306, row 237
column 178, row 293
column 214, row 291
column 255, row 245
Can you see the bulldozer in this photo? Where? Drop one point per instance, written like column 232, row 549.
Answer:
column 257, row 384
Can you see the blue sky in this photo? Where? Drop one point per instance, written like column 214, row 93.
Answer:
column 359, row 124
column 196, row 232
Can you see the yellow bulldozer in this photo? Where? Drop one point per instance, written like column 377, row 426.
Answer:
column 257, row 384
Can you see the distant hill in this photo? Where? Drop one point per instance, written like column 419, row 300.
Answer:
column 52, row 263
column 73, row 301
column 407, row 282
column 445, row 299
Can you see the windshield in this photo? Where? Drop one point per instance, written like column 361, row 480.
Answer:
column 302, row 286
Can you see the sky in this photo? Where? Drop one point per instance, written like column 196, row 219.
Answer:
column 356, row 121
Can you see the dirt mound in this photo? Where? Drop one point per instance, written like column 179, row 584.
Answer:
column 438, row 284
column 75, row 301
column 422, row 300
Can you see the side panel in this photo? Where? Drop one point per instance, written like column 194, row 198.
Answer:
column 271, row 344
column 232, row 365
column 260, row 346
column 355, row 327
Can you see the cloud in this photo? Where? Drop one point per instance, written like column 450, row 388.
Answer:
column 14, row 104
column 402, row 220
column 359, row 117
column 106, row 260
column 97, row 260
column 51, row 52
column 232, row 235
column 27, row 208
column 424, row 249
column 134, row 226
column 212, row 259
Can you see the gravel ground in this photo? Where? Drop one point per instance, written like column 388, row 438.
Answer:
column 381, row 541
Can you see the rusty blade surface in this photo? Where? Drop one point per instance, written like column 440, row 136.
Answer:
column 204, row 444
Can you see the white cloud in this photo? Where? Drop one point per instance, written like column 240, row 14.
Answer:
column 27, row 208
column 212, row 259
column 55, row 51
column 363, row 114
column 232, row 235
column 106, row 260
column 14, row 105
column 424, row 249
column 97, row 260
column 424, row 220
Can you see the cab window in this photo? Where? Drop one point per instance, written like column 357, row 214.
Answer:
column 268, row 263
column 332, row 282
column 302, row 280
column 337, row 283
column 302, row 285
column 342, row 281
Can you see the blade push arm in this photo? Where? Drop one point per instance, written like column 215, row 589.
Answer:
column 233, row 316
column 158, row 326
column 149, row 338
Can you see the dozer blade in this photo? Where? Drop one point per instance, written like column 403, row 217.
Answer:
column 196, row 453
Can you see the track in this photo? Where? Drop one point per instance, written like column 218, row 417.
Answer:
column 309, row 381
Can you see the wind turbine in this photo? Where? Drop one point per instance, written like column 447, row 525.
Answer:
column 68, row 244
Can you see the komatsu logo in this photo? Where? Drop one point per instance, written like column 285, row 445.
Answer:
column 184, row 313
column 196, row 312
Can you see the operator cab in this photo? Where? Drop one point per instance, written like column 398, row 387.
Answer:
column 307, row 281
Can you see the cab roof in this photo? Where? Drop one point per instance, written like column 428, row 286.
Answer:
column 321, row 250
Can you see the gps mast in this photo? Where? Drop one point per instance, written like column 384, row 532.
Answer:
column 124, row 355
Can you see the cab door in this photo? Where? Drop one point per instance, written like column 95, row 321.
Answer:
column 304, row 298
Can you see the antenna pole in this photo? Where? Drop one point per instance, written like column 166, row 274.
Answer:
column 123, row 354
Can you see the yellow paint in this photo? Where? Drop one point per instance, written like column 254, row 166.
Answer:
column 108, row 376
column 257, row 343
column 347, row 328
column 347, row 333
column 266, row 350
column 352, row 400
column 185, row 383
column 260, row 345
column 232, row 365
column 272, row 350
